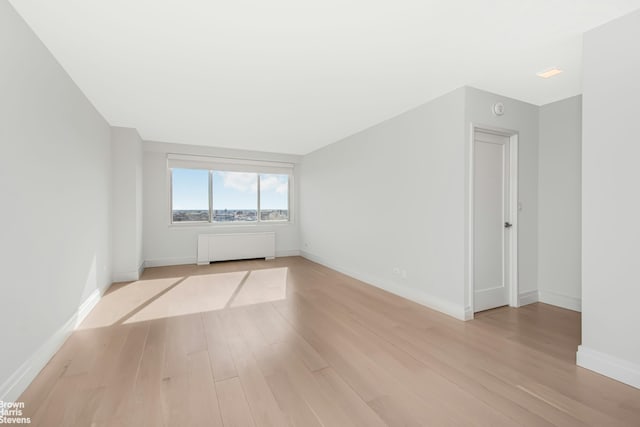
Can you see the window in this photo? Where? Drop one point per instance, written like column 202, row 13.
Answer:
column 190, row 195
column 219, row 191
column 274, row 197
column 235, row 196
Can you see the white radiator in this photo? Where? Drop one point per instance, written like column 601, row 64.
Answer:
column 225, row 247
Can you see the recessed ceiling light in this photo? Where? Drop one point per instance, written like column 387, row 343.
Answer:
column 549, row 73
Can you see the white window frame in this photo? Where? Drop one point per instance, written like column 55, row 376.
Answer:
column 213, row 164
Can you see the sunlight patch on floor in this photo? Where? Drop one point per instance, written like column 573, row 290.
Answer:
column 262, row 286
column 195, row 294
column 121, row 301
column 151, row 299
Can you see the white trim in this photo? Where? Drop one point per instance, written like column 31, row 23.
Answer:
column 231, row 224
column 86, row 307
column 513, row 217
column 140, row 269
column 528, row 297
column 128, row 276
column 125, row 276
column 468, row 313
column 290, row 252
column 163, row 262
column 411, row 294
column 560, row 300
column 610, row 366
column 513, row 212
column 190, row 161
column 18, row 382
column 229, row 153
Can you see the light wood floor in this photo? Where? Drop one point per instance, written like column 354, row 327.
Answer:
column 289, row 342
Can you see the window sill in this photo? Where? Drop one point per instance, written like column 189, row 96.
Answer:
column 230, row 225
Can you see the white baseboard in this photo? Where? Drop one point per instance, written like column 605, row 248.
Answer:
column 411, row 294
column 128, row 276
column 468, row 313
column 610, row 366
column 163, row 262
column 292, row 252
column 86, row 307
column 560, row 300
column 140, row 269
column 526, row 298
column 17, row 383
column 125, row 276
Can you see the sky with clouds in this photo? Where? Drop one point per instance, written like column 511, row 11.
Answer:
column 231, row 190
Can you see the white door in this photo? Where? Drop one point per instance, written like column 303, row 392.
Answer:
column 491, row 221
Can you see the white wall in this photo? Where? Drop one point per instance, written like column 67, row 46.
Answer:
column 55, row 193
column 395, row 197
column 523, row 118
column 392, row 196
column 126, row 151
column 611, row 200
column 559, row 199
column 166, row 244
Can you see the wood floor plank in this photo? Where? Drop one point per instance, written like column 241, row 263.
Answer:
column 185, row 335
column 295, row 407
column 175, row 406
column 88, row 404
column 361, row 413
column 106, row 365
column 354, row 373
column 61, row 406
column 324, row 406
column 148, row 388
column 292, row 339
column 219, row 354
column 234, row 407
column 87, row 347
column 263, row 405
column 37, row 394
column 118, row 399
column 203, row 406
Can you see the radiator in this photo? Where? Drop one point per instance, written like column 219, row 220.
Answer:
column 225, row 247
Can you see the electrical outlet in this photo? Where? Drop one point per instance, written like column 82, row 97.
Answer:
column 396, row 271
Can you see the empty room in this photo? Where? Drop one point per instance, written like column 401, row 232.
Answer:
column 320, row 213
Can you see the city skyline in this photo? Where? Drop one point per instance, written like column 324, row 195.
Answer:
column 229, row 215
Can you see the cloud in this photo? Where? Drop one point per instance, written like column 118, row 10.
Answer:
column 241, row 181
column 247, row 182
column 277, row 183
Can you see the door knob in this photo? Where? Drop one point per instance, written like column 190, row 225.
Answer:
column 508, row 225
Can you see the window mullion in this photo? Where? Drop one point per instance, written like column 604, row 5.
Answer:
column 258, row 219
column 210, row 196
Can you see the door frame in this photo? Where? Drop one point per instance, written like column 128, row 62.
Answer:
column 513, row 213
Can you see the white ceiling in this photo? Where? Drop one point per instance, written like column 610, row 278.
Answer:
column 292, row 75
